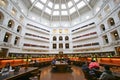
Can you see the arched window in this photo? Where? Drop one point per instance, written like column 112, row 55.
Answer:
column 3, row 3
column 105, row 38
column 54, row 38
column 19, row 29
column 66, row 38
column 115, row 35
column 1, row 17
column 60, row 31
column 102, row 27
column 54, row 46
column 60, row 38
column 16, row 40
column 14, row 11
column 119, row 14
column 67, row 45
column 7, row 37
column 21, row 18
column 60, row 45
column 107, row 9
column 10, row 23
column 116, row 1
column 54, row 31
column 111, row 22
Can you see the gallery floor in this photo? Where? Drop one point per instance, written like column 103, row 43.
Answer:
column 76, row 74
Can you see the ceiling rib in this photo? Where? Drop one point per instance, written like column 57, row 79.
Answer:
column 87, row 4
column 52, row 11
column 76, row 7
column 59, row 17
column 44, row 8
column 60, row 12
column 68, row 11
column 32, row 6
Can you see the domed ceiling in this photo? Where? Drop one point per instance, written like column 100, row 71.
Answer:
column 59, row 10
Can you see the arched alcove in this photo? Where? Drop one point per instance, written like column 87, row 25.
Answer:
column 1, row 17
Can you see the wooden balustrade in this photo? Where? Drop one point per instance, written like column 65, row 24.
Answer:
column 16, row 62
column 108, row 61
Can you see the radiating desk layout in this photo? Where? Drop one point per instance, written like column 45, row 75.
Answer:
column 22, row 72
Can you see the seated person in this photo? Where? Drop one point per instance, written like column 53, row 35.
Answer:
column 16, row 68
column 68, row 61
column 85, row 67
column 36, row 63
column 6, row 69
column 107, row 74
column 53, row 61
column 94, row 65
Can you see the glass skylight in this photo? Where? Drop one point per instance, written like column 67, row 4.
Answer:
column 55, row 10
column 50, row 4
column 63, row 6
column 64, row 13
column 88, row 0
column 97, row 9
column 72, row 10
column 39, row 5
column 80, row 4
column 33, row 18
column 47, row 10
column 56, row 13
column 32, row 1
column 44, row 1
column 56, row 6
column 70, row 4
column 87, row 17
column 76, row 0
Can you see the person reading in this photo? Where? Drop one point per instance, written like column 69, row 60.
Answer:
column 5, row 70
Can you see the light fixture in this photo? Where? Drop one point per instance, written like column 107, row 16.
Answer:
column 115, row 34
column 6, row 36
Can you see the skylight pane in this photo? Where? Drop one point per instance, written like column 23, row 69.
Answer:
column 33, row 18
column 32, row 1
column 97, row 9
column 56, row 6
column 72, row 10
column 63, row 6
column 64, row 12
column 50, row 4
column 44, row 1
column 47, row 10
column 56, row 13
column 39, row 5
column 80, row 4
column 76, row 0
column 70, row 4
column 88, row 0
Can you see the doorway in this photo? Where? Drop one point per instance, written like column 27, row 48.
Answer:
column 3, row 52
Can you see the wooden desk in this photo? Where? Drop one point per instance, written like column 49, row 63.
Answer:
column 16, row 75
column 61, row 67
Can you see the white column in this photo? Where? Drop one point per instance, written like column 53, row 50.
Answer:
column 63, row 45
column 57, row 46
column 12, row 39
column 118, row 30
column 109, row 37
column 2, row 34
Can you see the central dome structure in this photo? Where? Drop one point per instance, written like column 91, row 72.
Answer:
column 59, row 10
